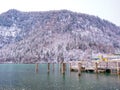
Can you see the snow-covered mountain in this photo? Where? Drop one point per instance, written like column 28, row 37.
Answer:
column 29, row 37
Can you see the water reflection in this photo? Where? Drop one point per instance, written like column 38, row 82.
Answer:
column 63, row 76
column 97, row 76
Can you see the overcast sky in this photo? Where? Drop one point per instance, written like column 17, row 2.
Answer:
column 105, row 9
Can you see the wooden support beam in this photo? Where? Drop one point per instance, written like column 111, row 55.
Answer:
column 96, row 67
column 48, row 67
column 79, row 69
column 36, row 67
column 113, row 69
column 63, row 68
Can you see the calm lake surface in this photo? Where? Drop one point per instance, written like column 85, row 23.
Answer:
column 24, row 77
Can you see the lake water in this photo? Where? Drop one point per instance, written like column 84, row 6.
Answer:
column 24, row 77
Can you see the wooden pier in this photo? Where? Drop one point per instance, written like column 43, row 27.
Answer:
column 96, row 66
column 112, row 66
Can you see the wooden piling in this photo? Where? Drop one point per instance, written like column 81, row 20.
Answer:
column 63, row 68
column 36, row 67
column 48, row 67
column 112, row 70
column 79, row 69
column 96, row 67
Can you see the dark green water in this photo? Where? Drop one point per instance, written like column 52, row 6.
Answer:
column 24, row 77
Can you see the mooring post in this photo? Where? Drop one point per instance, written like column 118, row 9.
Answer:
column 36, row 68
column 48, row 67
column 63, row 68
column 79, row 68
column 96, row 67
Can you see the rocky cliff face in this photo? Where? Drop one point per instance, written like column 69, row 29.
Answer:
column 29, row 37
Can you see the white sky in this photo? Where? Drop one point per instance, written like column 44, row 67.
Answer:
column 106, row 9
